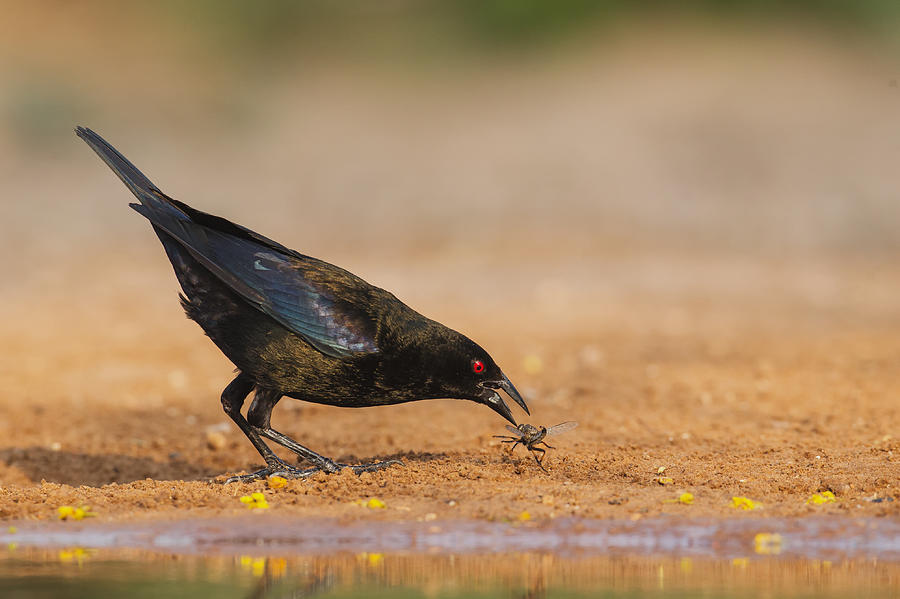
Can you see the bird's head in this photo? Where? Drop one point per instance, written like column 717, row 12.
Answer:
column 454, row 366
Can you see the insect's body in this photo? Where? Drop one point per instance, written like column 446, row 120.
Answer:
column 529, row 436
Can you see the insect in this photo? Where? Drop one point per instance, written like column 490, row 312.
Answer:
column 529, row 436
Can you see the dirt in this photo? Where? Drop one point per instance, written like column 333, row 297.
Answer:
column 111, row 401
column 681, row 243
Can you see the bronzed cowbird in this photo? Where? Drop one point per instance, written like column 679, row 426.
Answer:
column 299, row 327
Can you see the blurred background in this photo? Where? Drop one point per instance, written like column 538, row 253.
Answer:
column 551, row 178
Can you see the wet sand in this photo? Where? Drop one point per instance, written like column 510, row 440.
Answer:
column 812, row 538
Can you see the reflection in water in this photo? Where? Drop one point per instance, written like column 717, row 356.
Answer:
column 77, row 573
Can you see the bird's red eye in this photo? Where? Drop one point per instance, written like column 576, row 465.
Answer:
column 478, row 366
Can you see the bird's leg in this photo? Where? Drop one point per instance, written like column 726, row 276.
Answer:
column 321, row 462
column 232, row 399
column 260, row 416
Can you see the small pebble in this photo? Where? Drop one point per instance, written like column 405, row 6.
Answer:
column 178, row 379
column 216, row 440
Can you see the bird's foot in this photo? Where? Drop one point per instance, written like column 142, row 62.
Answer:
column 274, row 467
column 372, row 467
column 329, row 466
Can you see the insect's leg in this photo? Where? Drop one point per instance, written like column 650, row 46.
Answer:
column 540, row 461
column 548, row 445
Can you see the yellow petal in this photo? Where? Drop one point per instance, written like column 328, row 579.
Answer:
column 744, row 503
column 375, row 504
column 277, row 482
column 258, row 567
column 767, row 543
column 375, row 558
column 277, row 567
column 686, row 498
column 524, row 516
column 823, row 497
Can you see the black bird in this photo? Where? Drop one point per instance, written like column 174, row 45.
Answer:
column 297, row 326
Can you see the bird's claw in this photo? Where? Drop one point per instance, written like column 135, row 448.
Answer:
column 374, row 466
column 332, row 467
column 329, row 466
column 273, row 468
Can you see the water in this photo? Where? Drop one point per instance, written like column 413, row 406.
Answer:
column 275, row 558
column 77, row 573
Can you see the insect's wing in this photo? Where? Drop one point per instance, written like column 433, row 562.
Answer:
column 561, row 427
column 518, row 434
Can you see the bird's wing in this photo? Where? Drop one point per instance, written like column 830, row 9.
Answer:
column 278, row 281
column 278, row 284
column 561, row 427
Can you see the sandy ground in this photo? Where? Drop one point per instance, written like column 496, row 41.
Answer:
column 749, row 389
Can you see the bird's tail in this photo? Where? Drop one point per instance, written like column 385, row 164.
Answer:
column 143, row 188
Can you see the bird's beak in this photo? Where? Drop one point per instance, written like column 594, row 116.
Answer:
column 493, row 400
column 510, row 389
